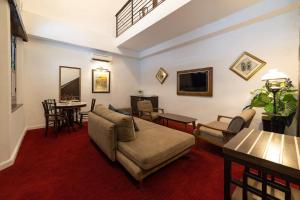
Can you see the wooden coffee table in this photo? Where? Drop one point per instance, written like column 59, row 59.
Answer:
column 178, row 118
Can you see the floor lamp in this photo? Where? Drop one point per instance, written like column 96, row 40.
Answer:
column 274, row 81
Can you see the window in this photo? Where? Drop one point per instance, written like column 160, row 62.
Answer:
column 13, row 71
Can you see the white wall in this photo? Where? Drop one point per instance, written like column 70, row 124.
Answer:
column 42, row 59
column 275, row 40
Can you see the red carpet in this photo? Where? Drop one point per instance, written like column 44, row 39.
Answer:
column 70, row 167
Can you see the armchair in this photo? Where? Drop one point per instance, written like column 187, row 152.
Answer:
column 146, row 110
column 220, row 132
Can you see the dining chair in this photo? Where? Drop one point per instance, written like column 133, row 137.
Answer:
column 84, row 114
column 53, row 117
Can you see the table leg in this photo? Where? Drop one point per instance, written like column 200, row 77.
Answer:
column 76, row 115
column 288, row 194
column 264, row 185
column 194, row 125
column 70, row 117
column 227, row 177
column 245, row 183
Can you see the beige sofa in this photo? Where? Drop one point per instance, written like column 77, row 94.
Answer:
column 140, row 152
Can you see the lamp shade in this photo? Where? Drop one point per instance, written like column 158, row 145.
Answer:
column 274, row 74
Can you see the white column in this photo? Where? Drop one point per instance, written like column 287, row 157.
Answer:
column 5, row 81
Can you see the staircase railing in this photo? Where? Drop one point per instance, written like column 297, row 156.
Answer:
column 132, row 12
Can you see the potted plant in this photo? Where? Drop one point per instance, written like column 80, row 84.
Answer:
column 280, row 106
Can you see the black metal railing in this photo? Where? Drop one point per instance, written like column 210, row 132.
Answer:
column 132, row 12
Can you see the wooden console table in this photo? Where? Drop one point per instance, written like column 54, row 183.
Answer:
column 271, row 154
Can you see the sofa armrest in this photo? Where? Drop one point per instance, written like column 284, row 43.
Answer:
column 102, row 132
column 225, row 133
column 223, row 116
column 159, row 109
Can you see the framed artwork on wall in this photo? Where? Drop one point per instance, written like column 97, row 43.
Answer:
column 247, row 65
column 161, row 75
column 100, row 81
column 195, row 82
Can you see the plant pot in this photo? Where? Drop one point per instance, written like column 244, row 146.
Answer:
column 274, row 124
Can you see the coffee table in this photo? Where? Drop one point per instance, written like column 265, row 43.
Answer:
column 178, row 118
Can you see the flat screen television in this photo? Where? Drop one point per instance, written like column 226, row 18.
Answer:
column 196, row 82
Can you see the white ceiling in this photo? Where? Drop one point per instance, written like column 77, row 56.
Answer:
column 94, row 15
column 99, row 16
column 195, row 14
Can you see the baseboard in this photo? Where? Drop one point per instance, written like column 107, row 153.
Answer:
column 13, row 156
column 35, row 127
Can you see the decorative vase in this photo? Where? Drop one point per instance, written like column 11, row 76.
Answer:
column 141, row 93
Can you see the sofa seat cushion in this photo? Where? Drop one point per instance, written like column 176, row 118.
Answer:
column 123, row 123
column 156, row 145
column 212, row 132
column 144, row 124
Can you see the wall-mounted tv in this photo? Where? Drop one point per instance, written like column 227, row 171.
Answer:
column 196, row 82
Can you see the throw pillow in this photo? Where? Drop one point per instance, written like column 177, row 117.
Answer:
column 136, row 128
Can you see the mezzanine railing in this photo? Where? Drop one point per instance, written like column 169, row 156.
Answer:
column 132, row 12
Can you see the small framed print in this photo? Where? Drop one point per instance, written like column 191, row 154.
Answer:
column 161, row 75
column 247, row 65
column 100, row 81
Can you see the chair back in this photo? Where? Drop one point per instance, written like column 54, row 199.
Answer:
column 248, row 115
column 145, row 106
column 51, row 106
column 46, row 110
column 93, row 104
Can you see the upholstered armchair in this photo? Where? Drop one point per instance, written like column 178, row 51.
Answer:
column 220, row 132
column 147, row 112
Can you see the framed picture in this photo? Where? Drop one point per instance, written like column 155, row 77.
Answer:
column 247, row 65
column 195, row 82
column 100, row 81
column 161, row 75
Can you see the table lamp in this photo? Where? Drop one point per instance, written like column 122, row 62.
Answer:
column 274, row 83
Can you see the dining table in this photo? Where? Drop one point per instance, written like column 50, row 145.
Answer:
column 71, row 109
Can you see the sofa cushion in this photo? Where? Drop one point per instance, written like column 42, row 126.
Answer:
column 124, row 125
column 212, row 132
column 155, row 145
column 110, row 107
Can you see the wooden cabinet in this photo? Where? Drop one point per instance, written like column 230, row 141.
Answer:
column 135, row 99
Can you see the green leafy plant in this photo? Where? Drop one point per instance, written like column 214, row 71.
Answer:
column 286, row 102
